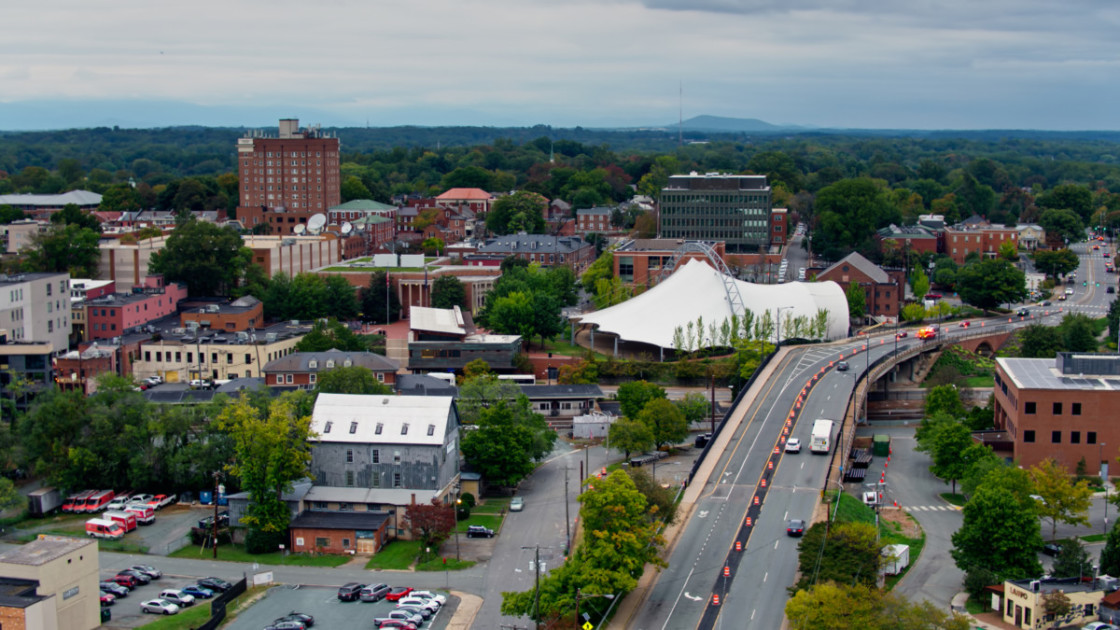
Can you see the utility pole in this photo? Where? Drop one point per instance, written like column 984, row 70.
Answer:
column 217, row 476
column 567, row 517
column 712, row 377
column 537, row 590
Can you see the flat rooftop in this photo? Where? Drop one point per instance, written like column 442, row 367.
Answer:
column 45, row 549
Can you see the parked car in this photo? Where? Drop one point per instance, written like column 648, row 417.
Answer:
column 140, row 499
column 396, row 623
column 108, row 599
column 417, row 610
column 518, row 504
column 159, row 607
column 208, row 522
column 423, row 602
column 1052, row 549
column 702, row 440
column 402, row 615
column 147, row 570
column 120, row 502
column 114, row 588
column 796, row 527
column 1098, row 625
column 218, row 585
column 374, row 592
column 142, row 578
column 793, row 445
column 198, row 592
column 397, row 592
column 479, row 531
column 163, row 500
column 305, row 618
column 1110, row 290
column 287, row 624
column 177, row 597
column 126, row 580
column 933, row 296
column 350, row 591
column 440, row 599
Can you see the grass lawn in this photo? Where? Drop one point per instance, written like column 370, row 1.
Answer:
column 974, row 607
column 398, row 555
column 493, row 521
column 1094, row 538
column 196, row 615
column 492, row 506
column 561, row 347
column 955, row 499
column 436, row 564
column 980, row 381
column 852, row 510
column 237, row 553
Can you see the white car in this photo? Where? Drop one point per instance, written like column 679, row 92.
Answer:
column 177, row 597
column 117, row 504
column 793, row 445
column 423, row 602
column 159, row 607
column 1098, row 625
column 517, row 504
column 439, row 599
column 140, row 499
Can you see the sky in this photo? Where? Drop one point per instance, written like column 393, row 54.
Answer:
column 921, row 64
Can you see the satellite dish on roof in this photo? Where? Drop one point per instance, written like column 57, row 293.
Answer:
column 316, row 223
column 346, row 228
column 299, row 229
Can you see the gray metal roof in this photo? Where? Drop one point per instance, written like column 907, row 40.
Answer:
column 79, row 197
column 302, row 361
column 1045, row 374
column 545, row 243
column 538, row 392
column 339, row 520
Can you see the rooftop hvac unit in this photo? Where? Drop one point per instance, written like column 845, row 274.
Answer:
column 270, row 337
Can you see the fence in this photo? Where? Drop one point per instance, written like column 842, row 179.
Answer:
column 218, row 606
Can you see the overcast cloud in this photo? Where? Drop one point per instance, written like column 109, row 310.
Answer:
column 843, row 63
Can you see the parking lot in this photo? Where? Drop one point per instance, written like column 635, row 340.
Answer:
column 323, row 604
column 126, row 610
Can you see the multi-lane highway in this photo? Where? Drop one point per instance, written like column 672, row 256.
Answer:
column 755, row 593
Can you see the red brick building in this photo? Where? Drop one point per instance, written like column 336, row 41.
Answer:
column 640, row 261
column 111, row 315
column 596, row 220
column 237, row 316
column 961, row 240
column 339, row 532
column 474, row 199
column 1059, row 408
column 883, row 291
column 914, row 238
column 287, row 179
column 302, row 369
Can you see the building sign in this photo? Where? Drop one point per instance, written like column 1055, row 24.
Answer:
column 70, row 593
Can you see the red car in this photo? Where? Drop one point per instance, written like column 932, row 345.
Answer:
column 933, row 296
column 398, row 592
column 125, row 580
column 965, row 324
column 901, row 334
column 397, row 623
column 108, row 599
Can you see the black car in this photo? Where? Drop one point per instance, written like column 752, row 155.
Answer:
column 304, row 618
column 703, row 439
column 141, row 577
column 208, row 522
column 796, row 527
column 114, row 588
column 286, row 625
column 1023, row 312
column 215, row 584
column 842, row 366
column 350, row 591
column 479, row 531
column 1052, row 549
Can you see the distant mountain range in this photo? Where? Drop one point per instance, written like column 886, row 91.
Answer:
column 721, row 124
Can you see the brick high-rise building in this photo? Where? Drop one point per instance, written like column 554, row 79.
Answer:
column 288, row 179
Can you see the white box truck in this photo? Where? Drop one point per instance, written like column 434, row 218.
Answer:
column 895, row 559
column 821, row 439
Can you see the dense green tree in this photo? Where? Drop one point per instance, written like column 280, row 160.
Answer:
column 373, row 300
column 841, row 606
column 504, row 442
column 695, row 407
column 999, row 533
column 944, row 399
column 272, row 451
column 857, row 301
column 69, row 248
column 120, row 198
column 1055, row 263
column 478, row 391
column 633, row 396
column 448, row 292
column 848, row 553
column 1110, row 555
column 919, row 283
column 521, row 211
column 330, row 335
column 354, row 379
column 209, row 259
column 1063, row 498
column 980, row 460
column 71, row 214
column 1113, row 317
column 9, row 214
column 1062, row 227
column 1076, row 198
column 630, row 436
column 991, row 282
column 1077, row 333
column 847, row 214
column 1038, row 341
column 341, row 299
column 468, row 177
column 602, row 268
column 1072, row 561
column 947, row 441
column 433, row 246
column 353, row 188
column 665, row 421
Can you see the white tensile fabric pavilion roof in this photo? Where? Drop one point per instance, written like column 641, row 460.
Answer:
column 696, row 290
